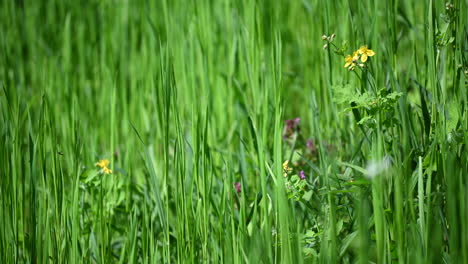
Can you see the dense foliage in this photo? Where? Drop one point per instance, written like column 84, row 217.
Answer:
column 233, row 131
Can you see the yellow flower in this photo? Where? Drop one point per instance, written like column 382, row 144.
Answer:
column 365, row 52
column 286, row 168
column 106, row 170
column 103, row 163
column 350, row 60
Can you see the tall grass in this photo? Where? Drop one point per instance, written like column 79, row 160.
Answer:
column 187, row 99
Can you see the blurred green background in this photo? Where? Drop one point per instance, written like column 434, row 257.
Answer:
column 188, row 98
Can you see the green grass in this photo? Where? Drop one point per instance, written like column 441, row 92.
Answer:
column 187, row 98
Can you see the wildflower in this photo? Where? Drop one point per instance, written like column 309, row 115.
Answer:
column 350, row 60
column 365, row 52
column 292, row 125
column 311, row 145
column 302, row 175
column 330, row 38
column 106, row 170
column 286, row 168
column 103, row 163
column 237, row 186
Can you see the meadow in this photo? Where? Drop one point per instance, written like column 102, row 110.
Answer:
column 233, row 131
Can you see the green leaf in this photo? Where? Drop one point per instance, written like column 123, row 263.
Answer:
column 452, row 118
column 307, row 195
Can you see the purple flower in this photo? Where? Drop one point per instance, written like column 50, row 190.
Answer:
column 291, row 126
column 237, row 186
column 292, row 123
column 302, row 175
column 311, row 145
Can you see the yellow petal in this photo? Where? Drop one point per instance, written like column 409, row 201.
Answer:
column 364, row 57
column 370, row 53
column 347, row 64
column 106, row 170
column 356, row 56
column 362, row 49
column 102, row 163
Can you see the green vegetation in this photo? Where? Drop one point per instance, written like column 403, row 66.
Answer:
column 232, row 131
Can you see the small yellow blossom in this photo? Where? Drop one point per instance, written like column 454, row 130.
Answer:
column 351, row 60
column 103, row 163
column 365, row 52
column 348, row 61
column 286, row 168
column 106, row 170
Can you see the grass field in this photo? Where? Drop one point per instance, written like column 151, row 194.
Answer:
column 230, row 131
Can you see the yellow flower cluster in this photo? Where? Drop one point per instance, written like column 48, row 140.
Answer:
column 286, row 168
column 362, row 54
column 104, row 163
